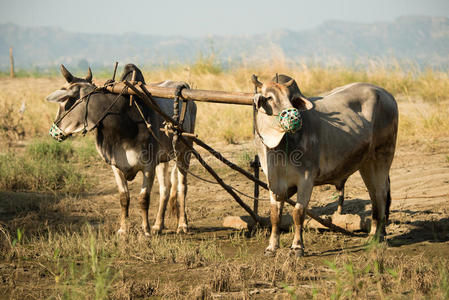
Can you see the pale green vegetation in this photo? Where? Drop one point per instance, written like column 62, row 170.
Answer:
column 46, row 166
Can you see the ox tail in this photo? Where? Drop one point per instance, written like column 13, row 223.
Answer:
column 173, row 205
column 388, row 203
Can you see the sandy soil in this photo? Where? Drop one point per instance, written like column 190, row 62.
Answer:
column 419, row 185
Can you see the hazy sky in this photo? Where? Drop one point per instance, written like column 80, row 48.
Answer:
column 205, row 17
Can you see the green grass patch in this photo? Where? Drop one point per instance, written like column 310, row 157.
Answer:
column 47, row 149
column 45, row 166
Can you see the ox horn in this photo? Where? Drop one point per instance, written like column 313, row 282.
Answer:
column 256, row 81
column 89, row 75
column 66, row 74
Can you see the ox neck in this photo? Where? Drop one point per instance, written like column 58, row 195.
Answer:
column 107, row 110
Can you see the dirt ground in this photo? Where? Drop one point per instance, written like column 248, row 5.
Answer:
column 419, row 211
column 419, row 224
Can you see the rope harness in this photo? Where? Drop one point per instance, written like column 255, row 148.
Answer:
column 59, row 134
column 176, row 117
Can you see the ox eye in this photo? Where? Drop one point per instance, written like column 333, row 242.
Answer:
column 69, row 103
column 297, row 103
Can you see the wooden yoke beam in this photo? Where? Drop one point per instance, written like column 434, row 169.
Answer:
column 190, row 94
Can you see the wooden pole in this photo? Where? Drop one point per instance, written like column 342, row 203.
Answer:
column 11, row 62
column 255, row 165
column 230, row 164
column 115, row 70
column 190, row 94
column 133, row 79
column 221, row 182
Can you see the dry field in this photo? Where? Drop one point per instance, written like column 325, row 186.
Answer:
column 59, row 209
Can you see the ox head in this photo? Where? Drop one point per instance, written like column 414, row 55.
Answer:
column 71, row 115
column 279, row 105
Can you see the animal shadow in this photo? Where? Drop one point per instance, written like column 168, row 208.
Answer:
column 350, row 206
column 434, row 231
column 37, row 212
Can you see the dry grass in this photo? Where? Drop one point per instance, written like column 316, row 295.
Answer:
column 54, row 245
column 428, row 90
column 92, row 262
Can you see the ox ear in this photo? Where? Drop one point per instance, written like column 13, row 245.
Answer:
column 259, row 100
column 66, row 74
column 89, row 75
column 60, row 96
column 289, row 83
column 301, row 103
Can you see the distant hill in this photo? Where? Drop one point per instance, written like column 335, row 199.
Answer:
column 424, row 40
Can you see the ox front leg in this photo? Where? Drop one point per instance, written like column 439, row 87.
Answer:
column 124, row 199
column 277, row 203
column 144, row 198
column 164, row 188
column 182, row 193
column 182, row 166
column 299, row 213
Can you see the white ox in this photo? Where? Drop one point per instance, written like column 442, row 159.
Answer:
column 352, row 128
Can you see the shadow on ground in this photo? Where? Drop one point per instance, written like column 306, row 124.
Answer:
column 434, row 231
column 37, row 212
column 350, row 206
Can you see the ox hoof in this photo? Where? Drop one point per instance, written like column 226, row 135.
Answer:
column 269, row 252
column 156, row 230
column 298, row 252
column 182, row 229
column 375, row 239
column 121, row 232
column 146, row 231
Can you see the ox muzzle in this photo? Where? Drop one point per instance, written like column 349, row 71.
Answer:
column 290, row 120
column 57, row 133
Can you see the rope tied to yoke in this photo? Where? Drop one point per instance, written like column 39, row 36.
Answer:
column 176, row 117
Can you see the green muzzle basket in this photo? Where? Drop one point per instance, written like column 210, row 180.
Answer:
column 57, row 133
column 290, row 120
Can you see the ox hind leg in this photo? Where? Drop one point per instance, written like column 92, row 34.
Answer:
column 164, row 188
column 277, row 204
column 375, row 176
column 124, row 199
column 299, row 212
column 341, row 195
column 144, row 198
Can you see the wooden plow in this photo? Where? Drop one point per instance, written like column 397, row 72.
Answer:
column 146, row 92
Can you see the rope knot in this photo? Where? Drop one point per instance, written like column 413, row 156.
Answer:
column 178, row 91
